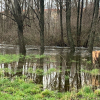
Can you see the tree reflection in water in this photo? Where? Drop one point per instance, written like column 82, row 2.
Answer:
column 61, row 72
column 69, row 57
column 39, row 74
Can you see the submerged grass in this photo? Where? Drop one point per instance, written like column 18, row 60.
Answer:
column 8, row 58
column 92, row 72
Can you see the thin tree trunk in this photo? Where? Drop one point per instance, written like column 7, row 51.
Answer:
column 78, row 34
column 41, row 23
column 75, row 1
column 80, row 26
column 68, row 26
column 86, row 5
column 57, row 6
column 94, row 24
column 87, row 40
column 81, row 16
column 61, row 24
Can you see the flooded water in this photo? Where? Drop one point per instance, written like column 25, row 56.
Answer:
column 61, row 69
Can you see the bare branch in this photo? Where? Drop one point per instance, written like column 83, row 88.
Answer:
column 35, row 13
column 7, row 16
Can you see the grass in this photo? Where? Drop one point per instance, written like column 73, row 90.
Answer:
column 23, row 90
column 19, row 89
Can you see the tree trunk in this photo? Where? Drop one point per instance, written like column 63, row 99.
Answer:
column 16, row 8
column 17, row 14
column 78, row 34
column 22, row 49
column 61, row 24
column 75, row 1
column 87, row 40
column 86, row 5
column 80, row 25
column 68, row 26
column 57, row 3
column 41, row 23
column 94, row 24
column 39, row 76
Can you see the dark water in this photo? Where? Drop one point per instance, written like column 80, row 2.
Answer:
column 62, row 70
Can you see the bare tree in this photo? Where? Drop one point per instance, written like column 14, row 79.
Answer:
column 75, row 1
column 61, row 24
column 68, row 25
column 80, row 24
column 93, row 25
column 19, row 11
column 86, row 4
column 60, row 2
column 78, row 34
column 39, row 12
column 81, row 13
column 41, row 23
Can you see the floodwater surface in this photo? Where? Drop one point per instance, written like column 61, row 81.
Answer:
column 58, row 69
